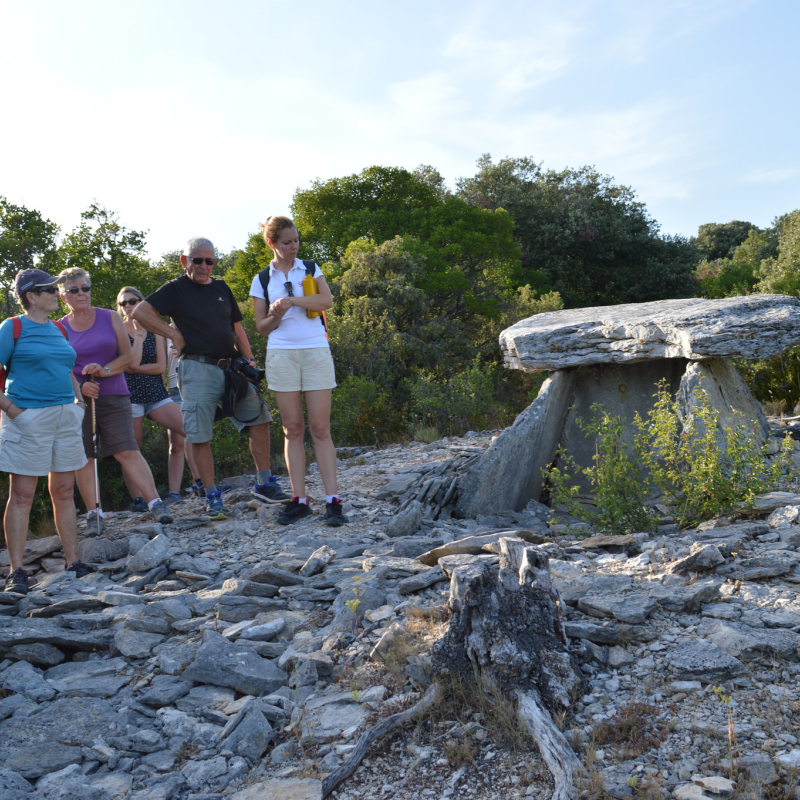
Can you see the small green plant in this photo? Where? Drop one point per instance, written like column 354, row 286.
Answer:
column 428, row 435
column 616, row 476
column 702, row 467
column 353, row 606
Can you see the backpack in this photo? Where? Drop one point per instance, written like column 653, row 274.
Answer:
column 16, row 325
column 263, row 278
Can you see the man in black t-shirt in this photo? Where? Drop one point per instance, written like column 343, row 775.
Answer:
column 209, row 332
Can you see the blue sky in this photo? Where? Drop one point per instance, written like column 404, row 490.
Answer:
column 202, row 118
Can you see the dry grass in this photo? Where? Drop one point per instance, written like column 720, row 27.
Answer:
column 43, row 527
column 635, row 730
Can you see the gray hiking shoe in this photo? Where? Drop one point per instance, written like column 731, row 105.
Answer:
column 161, row 513
column 95, row 524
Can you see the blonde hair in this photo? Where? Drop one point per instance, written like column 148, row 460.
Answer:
column 271, row 229
column 75, row 274
column 129, row 290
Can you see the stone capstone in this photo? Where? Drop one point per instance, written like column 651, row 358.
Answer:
column 754, row 326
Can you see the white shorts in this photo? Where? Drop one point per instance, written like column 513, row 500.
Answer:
column 144, row 409
column 42, row 440
column 306, row 370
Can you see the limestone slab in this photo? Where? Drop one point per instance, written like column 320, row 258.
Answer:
column 509, row 474
column 755, row 326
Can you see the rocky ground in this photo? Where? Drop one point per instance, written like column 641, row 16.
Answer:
column 243, row 659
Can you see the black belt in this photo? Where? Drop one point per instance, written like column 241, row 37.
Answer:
column 222, row 363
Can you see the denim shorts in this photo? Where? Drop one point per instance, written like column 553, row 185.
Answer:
column 143, row 409
column 201, row 387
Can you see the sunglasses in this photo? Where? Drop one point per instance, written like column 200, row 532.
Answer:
column 129, row 302
column 289, row 289
column 45, row 289
column 197, row 261
column 76, row 289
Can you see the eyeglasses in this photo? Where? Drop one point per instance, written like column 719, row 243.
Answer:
column 129, row 302
column 289, row 289
column 197, row 261
column 76, row 289
column 46, row 289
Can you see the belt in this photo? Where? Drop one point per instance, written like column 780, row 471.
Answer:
column 222, row 363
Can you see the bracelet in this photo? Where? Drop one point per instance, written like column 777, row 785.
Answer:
column 138, row 336
column 108, row 371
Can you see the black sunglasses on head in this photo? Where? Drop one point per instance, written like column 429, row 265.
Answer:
column 76, row 289
column 197, row 261
column 46, row 289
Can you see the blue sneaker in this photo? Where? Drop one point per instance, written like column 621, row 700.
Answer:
column 214, row 507
column 270, row 492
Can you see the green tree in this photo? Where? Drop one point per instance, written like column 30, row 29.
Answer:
column 113, row 255
column 739, row 273
column 26, row 240
column 780, row 274
column 716, row 241
column 581, row 234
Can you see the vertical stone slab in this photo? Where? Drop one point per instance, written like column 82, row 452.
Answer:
column 727, row 393
column 509, row 474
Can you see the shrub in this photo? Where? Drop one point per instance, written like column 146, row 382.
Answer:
column 362, row 413
column 701, row 466
column 616, row 477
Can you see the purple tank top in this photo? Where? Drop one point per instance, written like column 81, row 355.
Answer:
column 98, row 345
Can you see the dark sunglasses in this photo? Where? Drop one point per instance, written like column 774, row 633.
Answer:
column 129, row 302
column 289, row 289
column 76, row 289
column 46, row 289
column 197, row 261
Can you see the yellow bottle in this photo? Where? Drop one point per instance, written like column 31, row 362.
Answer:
column 309, row 288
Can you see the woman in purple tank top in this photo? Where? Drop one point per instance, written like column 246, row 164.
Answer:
column 103, row 352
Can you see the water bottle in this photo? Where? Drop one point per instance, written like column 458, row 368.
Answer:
column 309, row 288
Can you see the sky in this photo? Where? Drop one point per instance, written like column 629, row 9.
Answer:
column 195, row 118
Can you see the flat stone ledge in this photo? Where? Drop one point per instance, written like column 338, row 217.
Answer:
column 756, row 326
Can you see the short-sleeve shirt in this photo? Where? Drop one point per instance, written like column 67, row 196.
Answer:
column 203, row 313
column 296, row 331
column 40, row 364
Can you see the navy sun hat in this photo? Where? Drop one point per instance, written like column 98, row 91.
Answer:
column 29, row 279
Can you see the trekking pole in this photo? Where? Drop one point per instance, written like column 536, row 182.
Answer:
column 95, row 454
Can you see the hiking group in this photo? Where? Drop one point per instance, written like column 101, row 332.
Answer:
column 82, row 386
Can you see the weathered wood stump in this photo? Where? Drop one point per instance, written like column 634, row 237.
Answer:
column 506, row 630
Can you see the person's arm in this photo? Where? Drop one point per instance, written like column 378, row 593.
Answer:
column 9, row 407
column 266, row 321
column 321, row 301
column 148, row 317
column 160, row 365
column 6, row 350
column 76, row 387
column 118, row 364
column 136, row 348
column 242, row 342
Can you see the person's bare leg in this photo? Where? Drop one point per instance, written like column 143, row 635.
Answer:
column 259, row 445
column 290, row 405
column 134, row 465
column 318, row 406
column 204, row 459
column 62, row 493
column 169, row 416
column 84, row 477
column 177, row 445
column 191, row 462
column 18, row 511
column 130, row 481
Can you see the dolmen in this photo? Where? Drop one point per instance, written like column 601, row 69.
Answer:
column 615, row 356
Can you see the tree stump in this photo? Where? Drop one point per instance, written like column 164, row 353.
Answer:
column 506, row 629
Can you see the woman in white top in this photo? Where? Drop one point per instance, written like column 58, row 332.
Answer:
column 298, row 363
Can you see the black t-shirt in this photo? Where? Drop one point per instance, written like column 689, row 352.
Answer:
column 204, row 313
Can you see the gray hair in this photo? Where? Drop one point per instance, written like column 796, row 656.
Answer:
column 198, row 243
